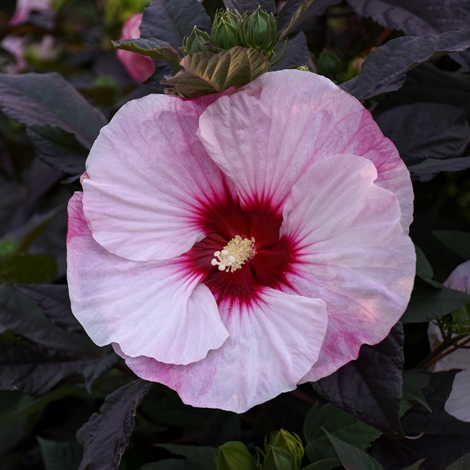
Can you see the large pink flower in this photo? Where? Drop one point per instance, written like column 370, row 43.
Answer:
column 139, row 66
column 458, row 404
column 234, row 246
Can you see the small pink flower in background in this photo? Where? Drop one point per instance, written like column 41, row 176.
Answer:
column 139, row 67
column 25, row 7
column 458, row 403
column 232, row 247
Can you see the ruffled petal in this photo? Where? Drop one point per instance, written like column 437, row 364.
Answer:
column 266, row 135
column 351, row 251
column 157, row 309
column 148, row 178
column 272, row 344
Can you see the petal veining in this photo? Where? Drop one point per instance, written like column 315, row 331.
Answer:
column 265, row 136
column 271, row 346
column 148, row 177
column 149, row 308
column 351, row 251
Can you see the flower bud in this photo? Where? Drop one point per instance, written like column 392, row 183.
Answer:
column 234, row 456
column 196, row 41
column 225, row 29
column 290, row 443
column 259, row 31
column 278, row 459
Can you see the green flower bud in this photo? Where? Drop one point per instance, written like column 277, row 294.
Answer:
column 259, row 31
column 225, row 29
column 197, row 41
column 291, row 443
column 278, row 459
column 234, row 456
column 328, row 63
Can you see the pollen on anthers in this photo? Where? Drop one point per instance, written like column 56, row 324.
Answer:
column 234, row 254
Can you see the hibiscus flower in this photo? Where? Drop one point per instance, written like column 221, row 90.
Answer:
column 457, row 404
column 139, row 67
column 232, row 247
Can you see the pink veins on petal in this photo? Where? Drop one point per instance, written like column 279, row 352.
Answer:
column 234, row 246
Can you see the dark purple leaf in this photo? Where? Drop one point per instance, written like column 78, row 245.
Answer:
column 106, row 434
column 426, row 130
column 317, row 8
column 418, row 18
column 171, row 20
column 35, row 372
column 370, row 387
column 429, row 136
column 385, row 68
column 48, row 99
column 251, row 5
column 437, row 437
column 55, row 303
column 296, row 53
column 61, row 124
column 19, row 314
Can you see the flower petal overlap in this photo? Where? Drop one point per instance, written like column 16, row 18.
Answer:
column 290, row 166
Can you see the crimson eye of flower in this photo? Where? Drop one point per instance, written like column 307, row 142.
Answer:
column 233, row 246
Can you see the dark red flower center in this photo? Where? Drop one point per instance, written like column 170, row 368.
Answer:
column 268, row 267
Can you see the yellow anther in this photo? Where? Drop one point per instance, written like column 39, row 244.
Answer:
column 234, row 255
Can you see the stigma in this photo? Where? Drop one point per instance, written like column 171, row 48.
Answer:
column 234, row 254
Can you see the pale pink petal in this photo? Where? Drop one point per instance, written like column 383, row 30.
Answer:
column 459, row 279
column 149, row 308
column 272, row 344
column 148, row 178
column 265, row 136
column 140, row 67
column 458, row 403
column 352, row 252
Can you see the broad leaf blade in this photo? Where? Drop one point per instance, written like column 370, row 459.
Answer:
column 351, row 457
column 48, row 99
column 199, row 455
column 295, row 54
column 385, row 68
column 250, row 5
column 171, row 21
column 457, row 241
column 154, row 48
column 429, row 303
column 370, row 387
column 106, row 434
column 336, row 421
column 208, row 72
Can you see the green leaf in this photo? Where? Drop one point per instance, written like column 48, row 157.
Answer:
column 462, row 463
column 423, row 268
column 28, row 269
column 154, row 48
column 429, row 303
column 414, row 381
column 60, row 455
column 234, row 455
column 200, row 455
column 278, row 459
column 208, row 72
column 326, row 464
column 341, row 424
column 456, row 241
column 352, row 457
